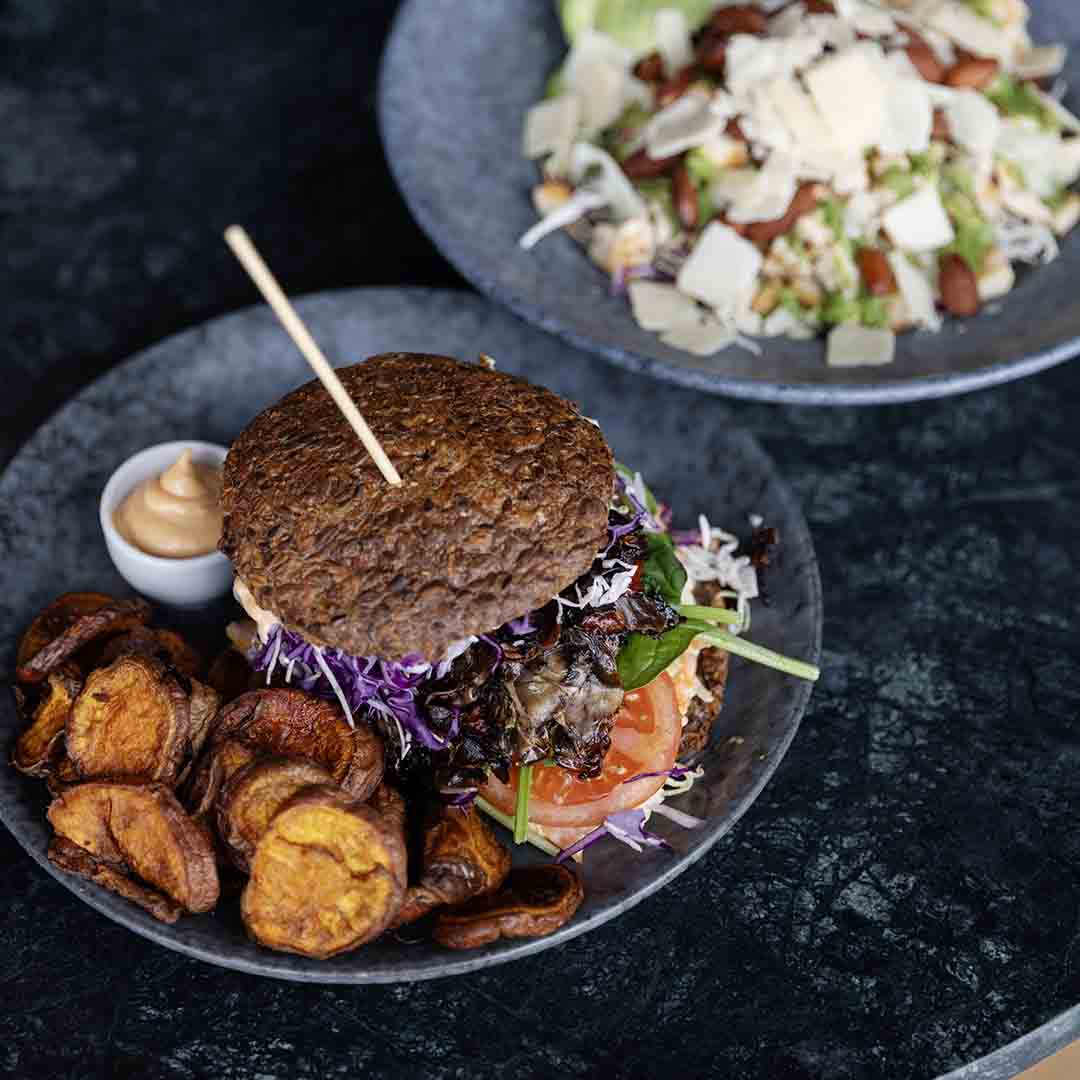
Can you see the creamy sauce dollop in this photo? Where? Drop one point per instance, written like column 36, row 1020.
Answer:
column 177, row 514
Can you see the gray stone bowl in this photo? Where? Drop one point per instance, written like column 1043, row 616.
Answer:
column 207, row 384
column 456, row 82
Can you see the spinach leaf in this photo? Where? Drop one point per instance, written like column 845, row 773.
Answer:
column 643, row 658
column 662, row 574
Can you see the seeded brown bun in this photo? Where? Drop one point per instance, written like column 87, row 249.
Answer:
column 503, row 503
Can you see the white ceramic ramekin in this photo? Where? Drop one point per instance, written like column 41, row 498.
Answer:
column 186, row 583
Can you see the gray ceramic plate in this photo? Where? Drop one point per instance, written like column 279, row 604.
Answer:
column 456, row 82
column 207, row 383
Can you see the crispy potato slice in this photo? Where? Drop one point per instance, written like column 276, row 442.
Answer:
column 210, row 774
column 230, row 675
column 203, row 705
column 462, row 859
column 71, row 858
column 323, row 879
column 164, row 645
column 69, row 624
column 253, row 795
column 40, row 746
column 290, row 723
column 141, row 830
column 387, row 800
column 535, row 901
column 132, row 719
column 62, row 775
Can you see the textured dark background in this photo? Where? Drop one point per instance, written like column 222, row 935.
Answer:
column 904, row 897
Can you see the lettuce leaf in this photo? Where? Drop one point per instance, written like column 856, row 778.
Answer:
column 630, row 22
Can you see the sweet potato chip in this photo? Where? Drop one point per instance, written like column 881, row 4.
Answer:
column 62, row 775
column 462, row 859
column 290, row 723
column 211, row 772
column 68, row 625
column 323, row 879
column 40, row 746
column 387, row 801
column 141, row 831
column 164, row 645
column 254, row 794
column 132, row 719
column 71, row 858
column 535, row 901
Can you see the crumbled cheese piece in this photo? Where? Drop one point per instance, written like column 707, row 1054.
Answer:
column 862, row 216
column 851, row 95
column 658, row 306
column 851, row 345
column 721, row 270
column 684, row 124
column 996, row 282
column 612, row 185
column 974, row 123
column 706, row 336
column 917, row 291
column 919, row 222
column 672, row 34
column 550, row 129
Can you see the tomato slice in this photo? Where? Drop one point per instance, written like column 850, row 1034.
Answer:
column 644, row 738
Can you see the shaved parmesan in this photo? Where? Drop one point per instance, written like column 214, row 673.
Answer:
column 721, row 270
column 970, row 31
column 684, row 124
column 1040, row 62
column 864, row 18
column 769, row 197
column 919, row 222
column 851, row 95
column 611, row 184
column 752, row 60
column 917, row 292
column 1041, row 156
column 598, row 72
column 732, row 185
column 704, row 337
column 909, row 118
column 672, row 34
column 659, row 307
column 851, row 345
column 974, row 123
column 550, row 129
column 798, row 113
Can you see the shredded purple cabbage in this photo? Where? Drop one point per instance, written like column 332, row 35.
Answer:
column 627, row 826
column 524, row 625
column 385, row 687
column 461, row 798
column 676, row 772
column 641, row 511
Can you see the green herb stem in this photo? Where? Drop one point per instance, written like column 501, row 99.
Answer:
column 521, row 805
column 507, row 822
column 710, row 614
column 759, row 654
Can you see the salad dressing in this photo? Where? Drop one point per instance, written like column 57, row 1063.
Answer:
column 176, row 515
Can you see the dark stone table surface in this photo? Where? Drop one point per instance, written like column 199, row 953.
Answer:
column 905, row 896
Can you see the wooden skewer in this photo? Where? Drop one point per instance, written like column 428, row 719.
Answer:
column 266, row 283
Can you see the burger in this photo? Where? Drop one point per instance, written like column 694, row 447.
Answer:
column 515, row 618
